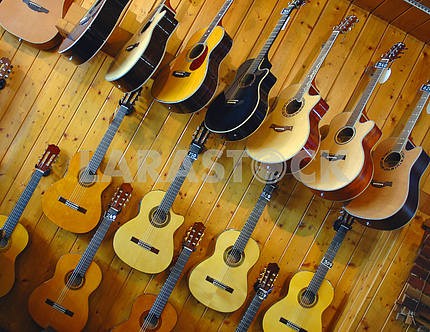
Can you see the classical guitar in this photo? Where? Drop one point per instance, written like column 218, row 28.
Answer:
column 220, row 282
column 146, row 242
column 391, row 199
column 13, row 236
column 263, row 287
column 34, row 21
column 342, row 167
column 292, row 127
column 152, row 312
column 142, row 54
column 190, row 80
column 5, row 69
column 61, row 303
column 309, row 294
column 241, row 108
column 74, row 202
column 92, row 31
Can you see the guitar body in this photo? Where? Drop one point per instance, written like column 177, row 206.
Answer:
column 394, row 205
column 141, row 56
column 239, row 120
column 74, row 300
column 140, row 310
column 86, row 197
column 93, row 30
column 346, row 178
column 215, row 269
column 200, row 63
column 16, row 244
column 160, row 238
column 285, row 135
column 17, row 18
column 290, row 309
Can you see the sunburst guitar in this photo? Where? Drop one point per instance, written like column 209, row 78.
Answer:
column 13, row 236
column 61, row 303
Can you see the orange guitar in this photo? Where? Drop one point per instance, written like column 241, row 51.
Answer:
column 152, row 312
column 74, row 202
column 13, row 236
column 61, row 303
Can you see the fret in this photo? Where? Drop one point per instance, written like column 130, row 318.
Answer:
column 250, row 313
column 215, row 21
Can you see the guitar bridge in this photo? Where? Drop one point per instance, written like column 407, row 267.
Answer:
column 219, row 284
column 60, row 308
column 280, row 129
column 290, row 324
column 72, row 205
column 381, row 184
column 232, row 101
column 179, row 73
column 333, row 157
column 144, row 245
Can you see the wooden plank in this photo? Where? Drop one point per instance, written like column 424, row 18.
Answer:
column 411, row 19
column 369, row 5
column 389, row 10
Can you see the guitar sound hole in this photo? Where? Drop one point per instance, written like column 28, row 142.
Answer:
column 152, row 323
column 86, row 179
column 391, row 160
column 344, row 135
column 196, row 51
column 74, row 281
column 307, row 299
column 4, row 243
column 158, row 217
column 233, row 258
column 292, row 107
column 247, row 80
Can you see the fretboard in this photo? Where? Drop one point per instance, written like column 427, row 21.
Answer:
column 250, row 313
column 215, row 21
column 101, row 150
column 15, row 215
column 167, row 289
column 404, row 136
column 304, row 88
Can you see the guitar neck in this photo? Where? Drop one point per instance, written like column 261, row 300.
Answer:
column 250, row 313
column 162, row 298
column 215, row 21
column 15, row 215
column 304, row 88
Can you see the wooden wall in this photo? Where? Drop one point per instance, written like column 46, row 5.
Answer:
column 50, row 100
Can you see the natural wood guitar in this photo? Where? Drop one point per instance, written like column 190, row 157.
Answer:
column 141, row 56
column 309, row 294
column 292, row 127
column 146, row 242
column 220, row 282
column 93, row 30
column 74, row 202
column 14, row 236
column 61, row 303
column 34, row 21
column 240, row 109
column 155, row 313
column 391, row 199
column 190, row 80
column 5, row 69
column 342, row 167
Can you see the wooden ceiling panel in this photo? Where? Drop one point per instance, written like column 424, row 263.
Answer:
column 391, row 9
column 411, row 19
column 422, row 32
column 369, row 5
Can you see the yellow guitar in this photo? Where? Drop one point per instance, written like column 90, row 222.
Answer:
column 220, row 282
column 61, row 303
column 74, row 202
column 146, row 242
column 309, row 294
column 190, row 80
column 13, row 236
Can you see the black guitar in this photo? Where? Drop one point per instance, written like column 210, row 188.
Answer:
column 241, row 108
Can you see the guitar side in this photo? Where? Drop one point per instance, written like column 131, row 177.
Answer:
column 140, row 310
column 86, row 197
column 16, row 244
column 140, row 228
column 203, row 276
column 75, row 300
column 289, row 310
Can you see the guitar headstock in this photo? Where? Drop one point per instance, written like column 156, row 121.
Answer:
column 347, row 24
column 5, row 69
column 200, row 137
column 393, row 53
column 120, row 198
column 267, row 279
column 194, row 235
column 297, row 3
column 129, row 99
column 45, row 162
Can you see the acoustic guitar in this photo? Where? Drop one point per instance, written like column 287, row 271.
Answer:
column 190, row 80
column 152, row 312
column 391, row 199
column 13, row 236
column 61, row 303
column 146, row 242
column 220, row 282
column 342, row 167
column 34, row 21
column 240, row 109
column 5, row 69
column 309, row 294
column 140, row 57
column 292, row 127
column 263, row 287
column 93, row 30
column 74, row 202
